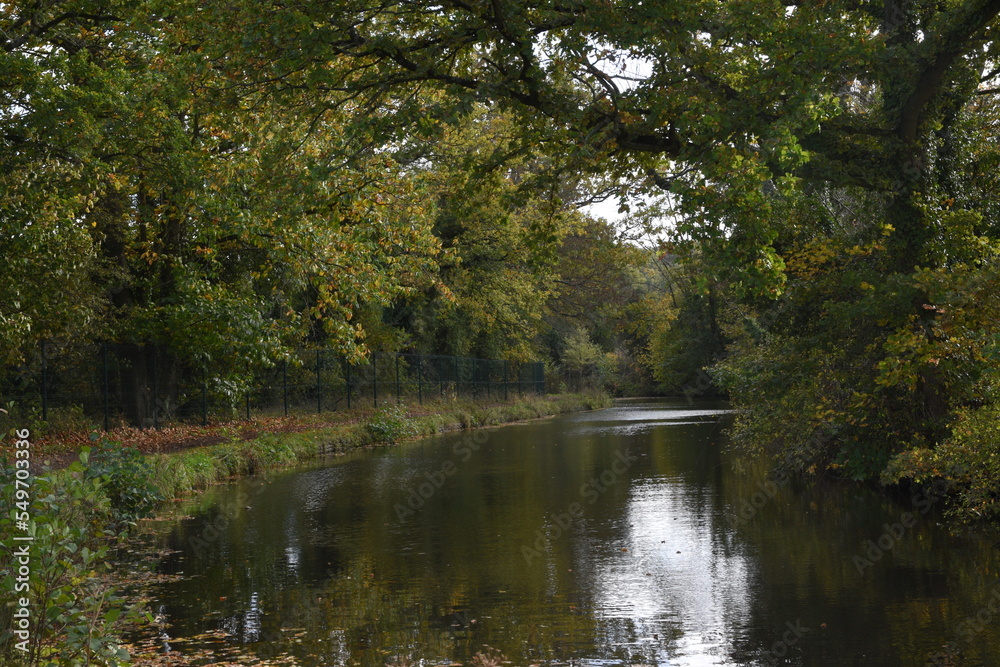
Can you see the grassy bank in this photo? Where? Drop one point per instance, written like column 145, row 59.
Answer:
column 83, row 512
column 181, row 472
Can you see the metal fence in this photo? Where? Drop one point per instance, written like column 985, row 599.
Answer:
column 110, row 384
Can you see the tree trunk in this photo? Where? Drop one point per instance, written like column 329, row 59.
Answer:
column 135, row 378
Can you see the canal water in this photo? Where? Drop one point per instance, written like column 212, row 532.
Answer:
column 627, row 536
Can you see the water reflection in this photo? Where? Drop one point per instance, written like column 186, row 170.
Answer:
column 676, row 580
column 595, row 539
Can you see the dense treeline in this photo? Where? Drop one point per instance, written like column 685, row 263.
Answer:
column 231, row 179
column 160, row 193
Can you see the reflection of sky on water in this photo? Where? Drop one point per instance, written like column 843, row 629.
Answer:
column 654, row 413
column 672, row 581
column 633, row 428
column 246, row 625
column 635, row 419
column 671, row 594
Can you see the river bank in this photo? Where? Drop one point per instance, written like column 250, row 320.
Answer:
column 180, row 462
column 620, row 537
column 249, row 448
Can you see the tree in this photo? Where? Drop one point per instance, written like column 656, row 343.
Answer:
column 246, row 176
column 54, row 100
column 746, row 93
column 754, row 116
column 500, row 230
column 151, row 204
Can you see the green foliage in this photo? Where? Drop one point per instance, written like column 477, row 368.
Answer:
column 500, row 232
column 580, row 353
column 74, row 612
column 249, row 457
column 69, row 419
column 688, row 339
column 968, row 462
column 598, row 288
column 901, row 358
column 584, row 362
column 183, row 472
column 126, row 478
column 808, row 360
column 390, row 424
column 231, row 182
column 814, row 154
column 140, row 204
column 224, row 226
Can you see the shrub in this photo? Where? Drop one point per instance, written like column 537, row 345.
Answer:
column 467, row 419
column 127, row 479
column 968, row 463
column 180, row 473
column 390, row 424
column 74, row 612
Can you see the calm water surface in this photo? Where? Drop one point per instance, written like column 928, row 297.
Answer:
column 626, row 536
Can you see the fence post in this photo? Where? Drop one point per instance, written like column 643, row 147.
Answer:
column 204, row 398
column 45, row 383
column 104, row 357
column 348, row 364
column 375, row 378
column 505, row 379
column 319, row 381
column 156, row 393
column 284, row 384
column 420, row 380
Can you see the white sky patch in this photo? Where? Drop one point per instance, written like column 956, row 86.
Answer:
column 627, row 71
column 607, row 209
column 650, row 220
column 674, row 577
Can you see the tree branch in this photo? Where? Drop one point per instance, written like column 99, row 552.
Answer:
column 943, row 52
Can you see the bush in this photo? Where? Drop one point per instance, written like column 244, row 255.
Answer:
column 74, row 612
column 391, row 424
column 968, row 463
column 127, row 479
